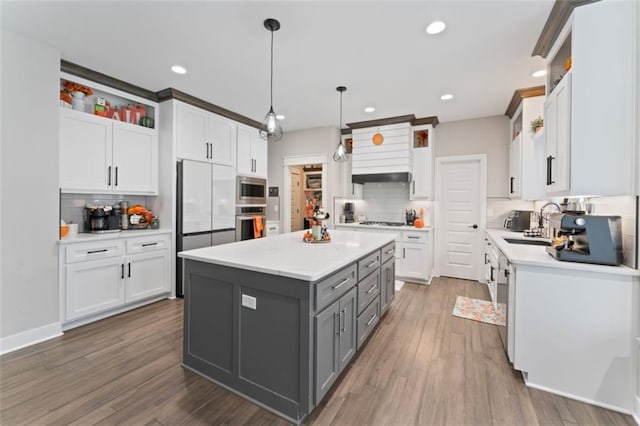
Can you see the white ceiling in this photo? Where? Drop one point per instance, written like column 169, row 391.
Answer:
column 378, row 49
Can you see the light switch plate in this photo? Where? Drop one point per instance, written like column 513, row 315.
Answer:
column 249, row 301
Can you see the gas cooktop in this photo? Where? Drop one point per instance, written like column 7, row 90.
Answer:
column 381, row 223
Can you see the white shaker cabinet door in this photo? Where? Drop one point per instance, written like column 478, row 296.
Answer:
column 259, row 150
column 414, row 262
column 94, row 286
column 222, row 136
column 422, row 171
column 244, row 159
column 224, row 197
column 191, row 133
column 147, row 275
column 85, row 152
column 135, row 159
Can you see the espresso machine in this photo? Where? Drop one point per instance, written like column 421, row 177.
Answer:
column 586, row 239
column 100, row 219
column 349, row 212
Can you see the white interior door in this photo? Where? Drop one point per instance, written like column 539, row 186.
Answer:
column 461, row 196
column 296, row 216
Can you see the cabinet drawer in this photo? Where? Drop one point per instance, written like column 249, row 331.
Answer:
column 94, row 250
column 388, row 252
column 329, row 289
column 414, row 237
column 368, row 289
column 368, row 320
column 146, row 244
column 368, row 264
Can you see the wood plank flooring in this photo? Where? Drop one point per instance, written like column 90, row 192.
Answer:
column 421, row 366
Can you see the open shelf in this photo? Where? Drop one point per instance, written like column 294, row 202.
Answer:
column 557, row 67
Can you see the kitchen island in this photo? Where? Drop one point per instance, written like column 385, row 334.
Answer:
column 276, row 320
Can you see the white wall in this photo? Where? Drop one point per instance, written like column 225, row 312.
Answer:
column 29, row 224
column 488, row 135
column 321, row 140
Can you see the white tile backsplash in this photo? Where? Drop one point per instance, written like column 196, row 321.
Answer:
column 72, row 205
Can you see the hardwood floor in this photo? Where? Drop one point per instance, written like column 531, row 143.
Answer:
column 421, row 366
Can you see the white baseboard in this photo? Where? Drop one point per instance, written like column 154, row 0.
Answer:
column 30, row 337
column 581, row 399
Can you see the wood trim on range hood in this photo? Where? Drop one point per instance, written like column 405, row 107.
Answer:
column 519, row 95
column 558, row 17
column 411, row 119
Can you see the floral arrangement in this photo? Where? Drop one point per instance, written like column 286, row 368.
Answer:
column 71, row 87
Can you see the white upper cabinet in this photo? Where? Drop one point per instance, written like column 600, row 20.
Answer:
column 204, row 136
column 252, row 152
column 589, row 113
column 422, row 163
column 526, row 152
column 99, row 155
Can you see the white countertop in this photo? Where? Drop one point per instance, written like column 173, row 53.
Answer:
column 393, row 228
column 129, row 233
column 287, row 255
column 521, row 254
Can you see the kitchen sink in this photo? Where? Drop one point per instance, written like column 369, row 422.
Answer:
column 527, row 242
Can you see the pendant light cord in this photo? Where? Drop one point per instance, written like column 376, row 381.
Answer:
column 271, row 95
column 341, row 112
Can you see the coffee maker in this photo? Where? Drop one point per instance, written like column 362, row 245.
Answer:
column 588, row 239
column 100, row 219
column 349, row 212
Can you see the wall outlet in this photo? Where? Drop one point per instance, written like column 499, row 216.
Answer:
column 249, row 301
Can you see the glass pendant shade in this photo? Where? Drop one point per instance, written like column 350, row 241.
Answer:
column 341, row 154
column 271, row 129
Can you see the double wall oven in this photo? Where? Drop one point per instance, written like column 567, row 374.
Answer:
column 251, row 208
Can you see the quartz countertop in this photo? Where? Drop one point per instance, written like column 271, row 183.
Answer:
column 287, row 255
column 129, row 233
column 521, row 254
column 393, row 228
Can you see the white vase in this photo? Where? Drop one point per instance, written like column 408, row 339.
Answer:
column 77, row 101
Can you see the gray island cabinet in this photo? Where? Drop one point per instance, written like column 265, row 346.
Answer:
column 276, row 320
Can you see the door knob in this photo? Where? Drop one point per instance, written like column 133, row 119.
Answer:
column 474, row 226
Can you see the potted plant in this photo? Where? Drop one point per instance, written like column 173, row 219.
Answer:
column 537, row 124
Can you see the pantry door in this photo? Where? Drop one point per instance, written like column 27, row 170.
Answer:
column 461, row 188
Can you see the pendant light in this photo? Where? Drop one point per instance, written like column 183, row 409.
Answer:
column 271, row 130
column 341, row 150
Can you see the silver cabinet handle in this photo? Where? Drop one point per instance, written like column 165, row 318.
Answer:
column 371, row 320
column 371, row 289
column 413, row 237
column 388, row 251
column 346, row 280
column 404, row 252
column 372, row 264
column 413, row 183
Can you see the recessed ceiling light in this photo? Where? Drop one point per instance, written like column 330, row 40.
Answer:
column 446, row 97
column 369, row 109
column 436, row 27
column 539, row 73
column 280, row 117
column 179, row 69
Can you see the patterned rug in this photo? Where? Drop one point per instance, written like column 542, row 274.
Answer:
column 479, row 310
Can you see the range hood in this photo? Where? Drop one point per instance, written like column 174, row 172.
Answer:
column 382, row 177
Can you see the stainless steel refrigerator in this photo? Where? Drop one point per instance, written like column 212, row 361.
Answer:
column 205, row 211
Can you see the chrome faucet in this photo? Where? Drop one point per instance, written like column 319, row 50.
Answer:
column 540, row 217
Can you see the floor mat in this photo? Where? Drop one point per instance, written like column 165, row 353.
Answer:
column 479, row 310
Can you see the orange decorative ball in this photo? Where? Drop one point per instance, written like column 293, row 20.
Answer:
column 377, row 139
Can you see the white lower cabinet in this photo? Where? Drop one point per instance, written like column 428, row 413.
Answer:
column 414, row 257
column 93, row 287
column 102, row 278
